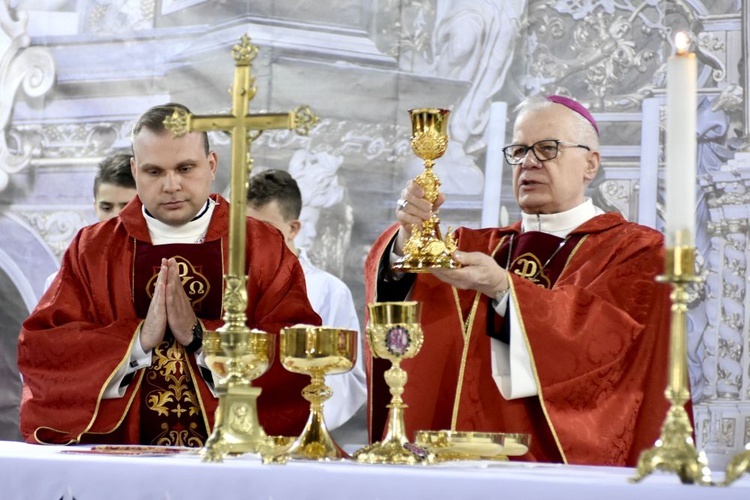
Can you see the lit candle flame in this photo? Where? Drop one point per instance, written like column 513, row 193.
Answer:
column 682, row 42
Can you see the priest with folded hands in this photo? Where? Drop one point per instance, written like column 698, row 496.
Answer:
column 112, row 353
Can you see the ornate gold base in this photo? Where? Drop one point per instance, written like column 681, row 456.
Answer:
column 393, row 452
column 237, row 429
column 424, row 263
column 315, row 443
column 675, row 452
column 426, row 249
column 739, row 465
column 394, row 448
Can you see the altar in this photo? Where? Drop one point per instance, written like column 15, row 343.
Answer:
column 57, row 472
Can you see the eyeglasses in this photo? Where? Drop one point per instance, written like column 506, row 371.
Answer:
column 544, row 150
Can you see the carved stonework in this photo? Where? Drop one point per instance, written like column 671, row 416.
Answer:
column 74, row 140
column 31, row 69
column 721, row 429
column 106, row 17
column 327, row 215
column 57, row 228
column 367, row 141
column 617, row 50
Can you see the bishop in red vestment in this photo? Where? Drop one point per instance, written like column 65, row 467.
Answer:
column 554, row 327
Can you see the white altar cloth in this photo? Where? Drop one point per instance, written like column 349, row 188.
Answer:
column 44, row 472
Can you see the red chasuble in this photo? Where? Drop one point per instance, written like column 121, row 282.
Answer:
column 81, row 332
column 170, row 411
column 598, row 340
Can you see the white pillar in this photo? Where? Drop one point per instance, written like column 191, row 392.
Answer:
column 649, row 175
column 493, row 168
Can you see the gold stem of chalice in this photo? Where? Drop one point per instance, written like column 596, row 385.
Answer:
column 316, row 351
column 237, row 358
column 394, row 333
column 675, row 451
column 426, row 249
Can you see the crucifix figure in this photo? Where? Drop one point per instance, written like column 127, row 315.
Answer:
column 242, row 355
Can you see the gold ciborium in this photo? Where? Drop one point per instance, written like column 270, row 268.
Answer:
column 237, row 358
column 394, row 333
column 425, row 249
column 316, row 351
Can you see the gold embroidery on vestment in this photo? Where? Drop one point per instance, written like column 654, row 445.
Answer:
column 467, row 326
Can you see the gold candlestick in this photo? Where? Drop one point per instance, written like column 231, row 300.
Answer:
column 316, row 351
column 674, row 450
column 739, row 464
column 395, row 333
column 237, row 358
column 425, row 249
column 243, row 348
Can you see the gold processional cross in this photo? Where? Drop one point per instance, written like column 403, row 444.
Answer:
column 241, row 126
column 244, row 129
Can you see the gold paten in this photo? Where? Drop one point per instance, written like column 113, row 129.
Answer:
column 394, row 333
column 425, row 249
column 675, row 451
column 316, row 351
column 460, row 445
column 241, row 349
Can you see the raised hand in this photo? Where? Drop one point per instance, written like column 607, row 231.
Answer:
column 155, row 323
column 413, row 208
column 180, row 314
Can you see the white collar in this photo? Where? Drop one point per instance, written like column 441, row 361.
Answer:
column 191, row 232
column 562, row 223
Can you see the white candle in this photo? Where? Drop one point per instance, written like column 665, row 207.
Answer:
column 681, row 144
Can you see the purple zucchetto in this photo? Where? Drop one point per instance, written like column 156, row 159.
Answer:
column 575, row 106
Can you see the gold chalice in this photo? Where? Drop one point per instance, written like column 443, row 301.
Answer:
column 237, row 358
column 316, row 351
column 425, row 249
column 394, row 333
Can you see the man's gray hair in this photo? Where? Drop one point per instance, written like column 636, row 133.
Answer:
column 585, row 132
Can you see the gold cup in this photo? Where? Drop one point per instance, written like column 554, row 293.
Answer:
column 395, row 333
column 316, row 351
column 237, row 358
column 426, row 249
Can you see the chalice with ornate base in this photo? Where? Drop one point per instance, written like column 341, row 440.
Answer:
column 237, row 358
column 426, row 249
column 316, row 351
column 394, row 333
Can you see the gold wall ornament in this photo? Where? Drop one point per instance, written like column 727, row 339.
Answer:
column 426, row 249
column 675, row 450
column 394, row 332
column 242, row 349
column 316, row 351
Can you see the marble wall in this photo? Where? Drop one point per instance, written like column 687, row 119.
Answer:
column 76, row 73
